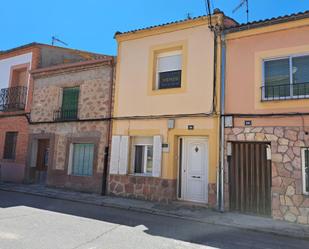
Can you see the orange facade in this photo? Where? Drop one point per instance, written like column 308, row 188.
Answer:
column 278, row 122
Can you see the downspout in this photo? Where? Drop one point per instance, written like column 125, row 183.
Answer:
column 109, row 131
column 222, row 112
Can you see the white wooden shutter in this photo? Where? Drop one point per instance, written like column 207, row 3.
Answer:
column 157, row 156
column 115, row 154
column 124, row 155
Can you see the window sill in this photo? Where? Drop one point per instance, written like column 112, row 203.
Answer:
column 141, row 174
column 89, row 176
column 284, row 98
column 175, row 90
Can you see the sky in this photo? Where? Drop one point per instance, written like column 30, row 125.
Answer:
column 91, row 24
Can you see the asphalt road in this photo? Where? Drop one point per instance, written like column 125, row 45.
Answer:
column 33, row 222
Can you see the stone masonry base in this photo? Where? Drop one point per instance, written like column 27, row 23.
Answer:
column 141, row 187
column 150, row 188
column 288, row 201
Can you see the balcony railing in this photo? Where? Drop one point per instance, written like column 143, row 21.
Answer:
column 65, row 114
column 287, row 91
column 13, row 98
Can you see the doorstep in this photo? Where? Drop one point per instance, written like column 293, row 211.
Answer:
column 176, row 209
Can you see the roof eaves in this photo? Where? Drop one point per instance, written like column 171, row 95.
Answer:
column 69, row 66
column 268, row 22
column 118, row 33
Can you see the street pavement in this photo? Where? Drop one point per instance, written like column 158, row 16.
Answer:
column 34, row 222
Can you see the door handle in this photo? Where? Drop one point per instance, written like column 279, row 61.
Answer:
column 196, row 177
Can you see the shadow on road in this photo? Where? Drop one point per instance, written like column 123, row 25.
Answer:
column 173, row 228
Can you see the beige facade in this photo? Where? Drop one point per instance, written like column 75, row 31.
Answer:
column 165, row 116
column 90, row 126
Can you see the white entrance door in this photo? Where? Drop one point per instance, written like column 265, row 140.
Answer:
column 195, row 169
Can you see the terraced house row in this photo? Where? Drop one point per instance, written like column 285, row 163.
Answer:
column 203, row 110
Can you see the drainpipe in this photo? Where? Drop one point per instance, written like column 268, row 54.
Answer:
column 109, row 131
column 222, row 108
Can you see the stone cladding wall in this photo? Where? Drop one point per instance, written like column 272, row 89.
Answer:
column 288, row 201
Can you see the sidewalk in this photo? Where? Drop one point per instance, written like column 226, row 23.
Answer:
column 195, row 213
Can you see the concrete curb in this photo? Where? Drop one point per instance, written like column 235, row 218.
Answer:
column 274, row 231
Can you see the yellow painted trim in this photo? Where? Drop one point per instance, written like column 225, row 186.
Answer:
column 168, row 28
column 271, row 54
column 172, row 160
column 268, row 29
column 146, row 133
column 153, row 53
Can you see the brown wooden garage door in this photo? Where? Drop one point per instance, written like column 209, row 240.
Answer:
column 250, row 178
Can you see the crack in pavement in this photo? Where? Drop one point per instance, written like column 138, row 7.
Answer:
column 97, row 237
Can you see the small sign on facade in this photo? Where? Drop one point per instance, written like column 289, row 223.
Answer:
column 165, row 148
column 190, row 127
column 248, row 122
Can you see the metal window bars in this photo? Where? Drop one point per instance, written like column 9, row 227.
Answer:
column 13, row 98
column 286, row 91
column 65, row 114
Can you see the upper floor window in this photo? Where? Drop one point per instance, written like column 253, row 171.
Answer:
column 10, row 145
column 286, row 78
column 19, row 77
column 169, row 68
column 69, row 106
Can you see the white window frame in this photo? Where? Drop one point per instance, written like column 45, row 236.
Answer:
column 290, row 57
column 303, row 161
column 145, row 145
column 166, row 54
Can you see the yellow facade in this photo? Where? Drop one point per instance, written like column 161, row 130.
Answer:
column 142, row 110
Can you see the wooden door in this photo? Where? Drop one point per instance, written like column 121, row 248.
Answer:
column 250, row 178
column 42, row 155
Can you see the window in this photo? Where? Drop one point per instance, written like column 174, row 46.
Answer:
column 142, row 155
column 169, row 68
column 10, row 145
column 82, row 159
column 286, row 78
column 305, row 169
column 69, row 107
column 19, row 77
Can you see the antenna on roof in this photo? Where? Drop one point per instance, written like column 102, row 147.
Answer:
column 208, row 11
column 55, row 39
column 240, row 5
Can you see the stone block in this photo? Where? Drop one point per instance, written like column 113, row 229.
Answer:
column 241, row 137
column 290, row 217
column 279, row 131
column 276, row 157
column 282, row 148
column 237, row 131
column 283, row 141
column 288, row 201
column 271, row 137
column 297, row 200
column 291, row 135
column 290, row 191
column 269, row 130
column 259, row 136
column 250, row 136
